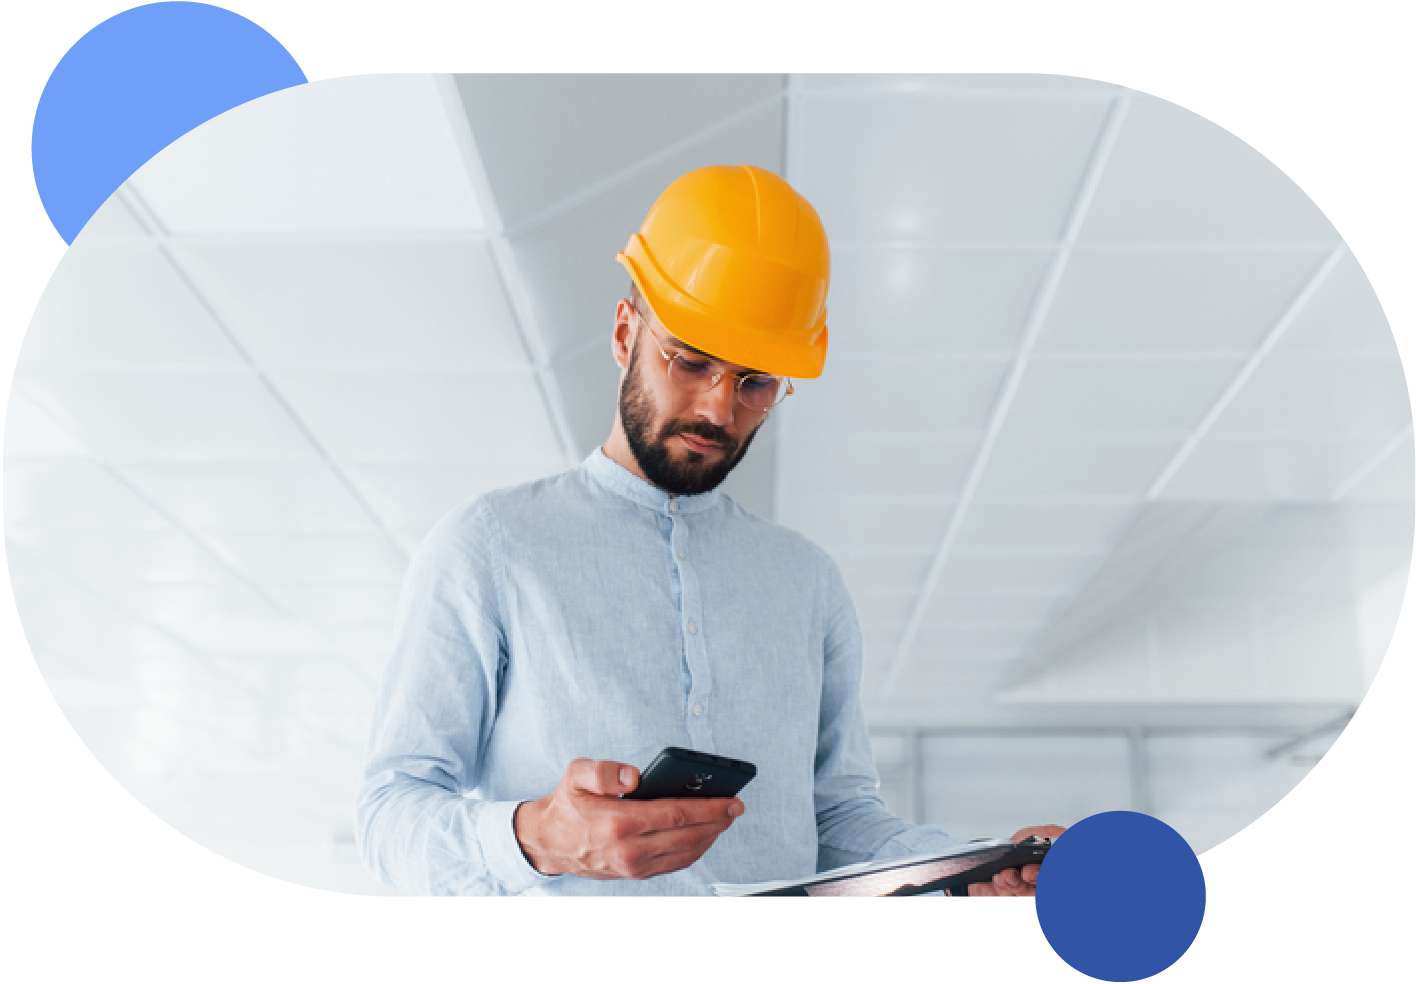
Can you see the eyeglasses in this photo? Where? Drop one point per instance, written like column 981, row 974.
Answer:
column 758, row 391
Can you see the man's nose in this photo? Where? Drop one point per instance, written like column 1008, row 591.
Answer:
column 718, row 405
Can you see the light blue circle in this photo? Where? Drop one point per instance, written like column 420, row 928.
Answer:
column 1120, row 896
column 134, row 84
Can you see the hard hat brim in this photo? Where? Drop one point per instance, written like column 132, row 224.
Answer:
column 693, row 324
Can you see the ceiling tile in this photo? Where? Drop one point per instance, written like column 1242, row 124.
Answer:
column 1329, row 397
column 951, row 634
column 1067, row 466
column 32, row 433
column 105, row 641
column 412, row 497
column 156, row 556
column 342, row 604
column 931, row 300
column 171, row 416
column 929, row 166
column 251, row 496
column 580, row 129
column 883, row 464
column 951, row 675
column 332, row 558
column 1117, row 397
column 1173, row 300
column 1022, row 608
column 1268, row 470
column 1391, row 480
column 1175, row 176
column 893, row 394
column 73, row 494
column 1114, row 665
column 121, row 307
column 888, row 606
column 1039, row 525
column 185, row 603
column 1343, row 319
column 867, row 569
column 999, row 84
column 323, row 305
column 849, row 523
column 1036, row 569
column 359, row 153
column 245, row 636
column 433, row 417
column 588, row 380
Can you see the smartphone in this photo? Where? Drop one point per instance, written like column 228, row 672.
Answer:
column 680, row 772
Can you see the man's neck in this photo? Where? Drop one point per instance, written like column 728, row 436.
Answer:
column 617, row 450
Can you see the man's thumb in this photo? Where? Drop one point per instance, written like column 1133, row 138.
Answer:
column 628, row 778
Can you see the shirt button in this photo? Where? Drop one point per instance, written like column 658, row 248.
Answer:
column 692, row 628
column 697, row 710
column 673, row 506
column 681, row 555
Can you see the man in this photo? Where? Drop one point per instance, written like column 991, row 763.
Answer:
column 553, row 635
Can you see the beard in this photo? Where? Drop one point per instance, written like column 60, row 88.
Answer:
column 690, row 476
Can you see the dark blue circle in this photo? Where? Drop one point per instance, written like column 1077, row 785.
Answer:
column 1120, row 896
column 134, row 84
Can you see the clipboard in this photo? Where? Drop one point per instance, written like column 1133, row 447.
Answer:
column 952, row 873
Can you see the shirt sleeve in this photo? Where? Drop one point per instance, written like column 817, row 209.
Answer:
column 852, row 823
column 416, row 828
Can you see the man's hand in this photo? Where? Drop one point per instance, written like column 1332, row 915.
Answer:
column 1014, row 881
column 584, row 828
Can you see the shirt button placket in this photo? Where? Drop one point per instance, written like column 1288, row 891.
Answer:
column 698, row 729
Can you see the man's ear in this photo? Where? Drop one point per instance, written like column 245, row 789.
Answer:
column 620, row 341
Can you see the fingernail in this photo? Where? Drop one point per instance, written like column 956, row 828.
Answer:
column 626, row 776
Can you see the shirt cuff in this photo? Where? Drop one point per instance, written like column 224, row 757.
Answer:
column 502, row 851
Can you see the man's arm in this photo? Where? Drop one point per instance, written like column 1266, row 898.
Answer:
column 415, row 829
column 852, row 823
column 851, row 820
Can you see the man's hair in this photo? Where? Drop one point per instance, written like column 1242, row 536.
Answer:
column 635, row 296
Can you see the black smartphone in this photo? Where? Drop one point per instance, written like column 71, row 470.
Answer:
column 679, row 772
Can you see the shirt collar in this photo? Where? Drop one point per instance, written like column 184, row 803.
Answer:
column 624, row 482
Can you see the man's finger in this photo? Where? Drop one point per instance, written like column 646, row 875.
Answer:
column 670, row 814
column 602, row 778
column 1051, row 831
column 1007, row 882
column 1030, row 873
column 667, row 850
column 979, row 890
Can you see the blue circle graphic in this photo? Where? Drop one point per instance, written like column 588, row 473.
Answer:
column 134, row 84
column 1120, row 896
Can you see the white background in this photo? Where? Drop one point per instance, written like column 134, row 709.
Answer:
column 103, row 885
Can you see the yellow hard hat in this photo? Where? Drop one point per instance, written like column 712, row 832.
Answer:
column 735, row 263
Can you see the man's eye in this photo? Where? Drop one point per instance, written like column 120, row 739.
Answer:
column 694, row 366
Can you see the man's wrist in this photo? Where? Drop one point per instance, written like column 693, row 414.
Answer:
column 524, row 824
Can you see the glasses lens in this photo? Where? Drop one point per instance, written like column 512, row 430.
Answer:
column 689, row 372
column 760, row 391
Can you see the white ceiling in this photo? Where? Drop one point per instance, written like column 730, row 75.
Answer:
column 1064, row 316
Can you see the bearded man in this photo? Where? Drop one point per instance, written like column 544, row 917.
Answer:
column 554, row 634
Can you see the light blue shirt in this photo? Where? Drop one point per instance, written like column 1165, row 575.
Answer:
column 592, row 615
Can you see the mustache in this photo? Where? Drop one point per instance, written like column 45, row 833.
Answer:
column 701, row 429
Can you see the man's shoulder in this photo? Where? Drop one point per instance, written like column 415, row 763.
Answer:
column 486, row 513
column 774, row 536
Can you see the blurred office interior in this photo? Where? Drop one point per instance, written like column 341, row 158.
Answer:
column 1113, row 444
